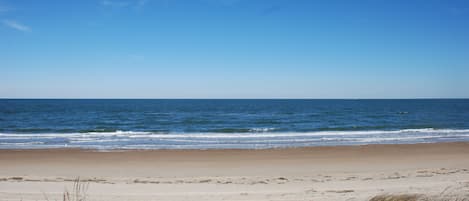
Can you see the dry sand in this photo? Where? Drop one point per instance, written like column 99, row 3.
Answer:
column 314, row 173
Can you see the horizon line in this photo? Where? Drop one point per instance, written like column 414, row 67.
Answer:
column 431, row 98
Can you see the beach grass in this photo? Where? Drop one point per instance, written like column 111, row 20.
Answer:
column 78, row 193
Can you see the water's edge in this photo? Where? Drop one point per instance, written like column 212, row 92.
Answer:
column 258, row 140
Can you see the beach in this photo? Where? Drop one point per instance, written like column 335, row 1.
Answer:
column 230, row 100
column 311, row 173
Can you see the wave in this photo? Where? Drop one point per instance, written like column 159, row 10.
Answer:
column 255, row 132
column 255, row 138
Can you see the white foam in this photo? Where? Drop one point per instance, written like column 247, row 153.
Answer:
column 262, row 137
column 138, row 134
column 261, row 129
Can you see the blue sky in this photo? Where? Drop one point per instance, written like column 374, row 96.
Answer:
column 234, row 49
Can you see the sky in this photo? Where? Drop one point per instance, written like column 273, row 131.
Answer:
column 234, row 49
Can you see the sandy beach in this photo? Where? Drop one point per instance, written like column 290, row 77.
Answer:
column 313, row 173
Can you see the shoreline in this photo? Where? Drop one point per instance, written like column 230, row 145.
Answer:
column 311, row 173
column 225, row 149
column 147, row 140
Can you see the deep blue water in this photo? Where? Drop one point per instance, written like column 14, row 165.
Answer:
column 205, row 124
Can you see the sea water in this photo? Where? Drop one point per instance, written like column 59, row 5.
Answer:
column 227, row 124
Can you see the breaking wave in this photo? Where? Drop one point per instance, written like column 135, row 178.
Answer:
column 256, row 138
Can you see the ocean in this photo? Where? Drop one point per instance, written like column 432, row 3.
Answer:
column 227, row 124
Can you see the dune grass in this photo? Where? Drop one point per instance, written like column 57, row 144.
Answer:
column 78, row 193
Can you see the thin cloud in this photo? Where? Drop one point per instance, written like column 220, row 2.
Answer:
column 115, row 3
column 15, row 25
column 137, row 4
